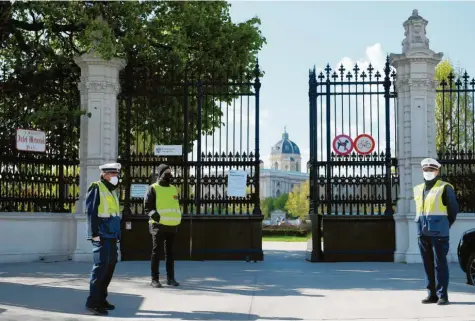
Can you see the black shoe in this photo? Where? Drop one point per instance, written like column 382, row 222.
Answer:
column 430, row 299
column 106, row 305
column 173, row 282
column 442, row 301
column 156, row 284
column 97, row 311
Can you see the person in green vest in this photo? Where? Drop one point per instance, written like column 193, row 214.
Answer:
column 104, row 231
column 162, row 206
column 436, row 211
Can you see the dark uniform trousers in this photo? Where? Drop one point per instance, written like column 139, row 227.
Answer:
column 429, row 245
column 162, row 239
column 105, row 256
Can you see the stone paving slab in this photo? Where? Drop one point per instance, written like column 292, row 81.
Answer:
column 283, row 287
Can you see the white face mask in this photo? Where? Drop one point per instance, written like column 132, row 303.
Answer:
column 428, row 176
column 114, row 180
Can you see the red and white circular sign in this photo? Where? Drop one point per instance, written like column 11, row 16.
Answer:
column 342, row 145
column 364, row 144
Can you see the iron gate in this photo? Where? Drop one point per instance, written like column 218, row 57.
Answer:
column 212, row 119
column 354, row 195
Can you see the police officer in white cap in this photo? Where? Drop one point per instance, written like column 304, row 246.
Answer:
column 436, row 211
column 103, row 220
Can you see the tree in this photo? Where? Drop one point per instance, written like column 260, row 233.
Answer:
column 161, row 40
column 298, row 203
column 267, row 206
column 279, row 202
column 454, row 114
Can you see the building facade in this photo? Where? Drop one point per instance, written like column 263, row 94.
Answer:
column 285, row 171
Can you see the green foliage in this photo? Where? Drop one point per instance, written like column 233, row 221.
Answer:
column 279, row 202
column 172, row 39
column 454, row 114
column 298, row 202
column 270, row 204
column 284, row 230
column 267, row 206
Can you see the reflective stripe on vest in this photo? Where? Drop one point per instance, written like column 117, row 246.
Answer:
column 109, row 202
column 432, row 204
column 167, row 205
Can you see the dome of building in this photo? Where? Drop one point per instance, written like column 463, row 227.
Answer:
column 285, row 146
column 285, row 155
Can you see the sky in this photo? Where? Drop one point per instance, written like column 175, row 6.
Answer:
column 303, row 34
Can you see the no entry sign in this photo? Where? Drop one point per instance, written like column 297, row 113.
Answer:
column 342, row 145
column 364, row 144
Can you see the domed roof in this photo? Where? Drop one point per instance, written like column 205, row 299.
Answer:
column 285, row 146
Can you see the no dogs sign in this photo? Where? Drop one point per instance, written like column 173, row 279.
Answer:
column 342, row 145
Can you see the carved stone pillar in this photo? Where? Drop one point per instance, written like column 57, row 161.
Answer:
column 99, row 87
column 416, row 89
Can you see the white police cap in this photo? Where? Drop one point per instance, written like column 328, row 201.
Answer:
column 431, row 163
column 110, row 168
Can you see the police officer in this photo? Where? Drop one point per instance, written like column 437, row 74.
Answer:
column 103, row 220
column 162, row 206
column 436, row 211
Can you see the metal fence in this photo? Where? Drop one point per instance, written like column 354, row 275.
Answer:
column 455, row 135
column 214, row 120
column 353, row 102
column 47, row 101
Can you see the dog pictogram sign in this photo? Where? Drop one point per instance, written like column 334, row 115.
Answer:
column 342, row 145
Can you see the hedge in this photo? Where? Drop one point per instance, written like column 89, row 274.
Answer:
column 284, row 230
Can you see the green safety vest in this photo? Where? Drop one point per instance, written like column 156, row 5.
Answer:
column 433, row 204
column 167, row 205
column 109, row 202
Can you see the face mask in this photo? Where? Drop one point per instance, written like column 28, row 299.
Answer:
column 114, row 180
column 167, row 177
column 428, row 176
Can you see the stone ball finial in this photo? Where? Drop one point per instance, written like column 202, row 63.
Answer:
column 415, row 13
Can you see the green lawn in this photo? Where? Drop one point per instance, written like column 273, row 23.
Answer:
column 283, row 238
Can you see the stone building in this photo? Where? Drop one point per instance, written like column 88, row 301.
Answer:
column 285, row 171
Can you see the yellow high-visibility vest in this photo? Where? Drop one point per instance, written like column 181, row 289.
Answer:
column 432, row 204
column 109, row 202
column 167, row 205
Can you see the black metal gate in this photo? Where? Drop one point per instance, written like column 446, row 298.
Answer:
column 215, row 120
column 354, row 194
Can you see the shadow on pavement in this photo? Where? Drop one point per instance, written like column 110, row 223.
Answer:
column 56, row 299
column 282, row 273
column 462, row 303
column 208, row 315
column 71, row 301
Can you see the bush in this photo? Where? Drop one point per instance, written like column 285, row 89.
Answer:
column 283, row 230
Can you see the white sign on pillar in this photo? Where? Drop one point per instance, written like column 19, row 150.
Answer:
column 416, row 86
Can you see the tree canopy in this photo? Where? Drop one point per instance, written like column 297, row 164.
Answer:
column 298, row 202
column 270, row 204
column 170, row 39
column 454, row 114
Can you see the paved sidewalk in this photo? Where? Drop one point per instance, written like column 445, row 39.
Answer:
column 283, row 287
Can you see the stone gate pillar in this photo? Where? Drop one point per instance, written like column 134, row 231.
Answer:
column 416, row 86
column 99, row 87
